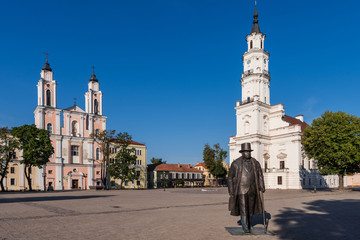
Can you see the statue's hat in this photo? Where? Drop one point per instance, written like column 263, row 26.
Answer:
column 246, row 147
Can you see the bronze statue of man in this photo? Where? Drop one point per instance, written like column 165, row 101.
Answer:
column 245, row 182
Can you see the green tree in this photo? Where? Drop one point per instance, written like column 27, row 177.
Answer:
column 213, row 159
column 157, row 160
column 333, row 140
column 105, row 139
column 36, row 146
column 123, row 166
column 8, row 145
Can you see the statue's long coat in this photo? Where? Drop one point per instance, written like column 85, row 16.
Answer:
column 237, row 187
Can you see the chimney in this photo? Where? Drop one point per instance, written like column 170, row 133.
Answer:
column 189, row 166
column 300, row 117
column 179, row 166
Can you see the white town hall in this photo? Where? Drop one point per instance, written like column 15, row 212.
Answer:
column 274, row 136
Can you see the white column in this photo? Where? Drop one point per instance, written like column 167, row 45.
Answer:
column 90, row 176
column 81, row 181
column 59, row 177
column 101, row 103
column 55, row 86
column 91, row 124
column 58, row 125
column 41, row 119
column 58, row 151
column 68, row 124
column 82, row 125
column 69, row 181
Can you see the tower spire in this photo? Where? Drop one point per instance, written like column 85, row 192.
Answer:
column 255, row 28
column 93, row 76
column 46, row 66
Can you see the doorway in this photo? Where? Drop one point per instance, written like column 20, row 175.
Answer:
column 75, row 184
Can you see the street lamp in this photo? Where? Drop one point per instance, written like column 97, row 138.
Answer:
column 44, row 176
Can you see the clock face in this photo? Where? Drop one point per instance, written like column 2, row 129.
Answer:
column 248, row 61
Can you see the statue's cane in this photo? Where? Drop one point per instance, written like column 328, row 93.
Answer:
column 261, row 196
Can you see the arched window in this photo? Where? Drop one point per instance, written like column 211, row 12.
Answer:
column 96, row 106
column 74, row 129
column 251, row 44
column 261, row 43
column 48, row 97
column 87, row 122
column 49, row 127
column 97, row 155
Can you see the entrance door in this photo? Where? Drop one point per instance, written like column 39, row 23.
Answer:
column 75, row 183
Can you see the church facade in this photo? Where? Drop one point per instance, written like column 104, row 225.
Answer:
column 274, row 136
column 75, row 163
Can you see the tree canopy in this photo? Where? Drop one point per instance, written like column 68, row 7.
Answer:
column 8, row 145
column 213, row 159
column 333, row 141
column 105, row 139
column 157, row 160
column 36, row 146
column 123, row 167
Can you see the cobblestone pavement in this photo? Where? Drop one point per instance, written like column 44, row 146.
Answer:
column 173, row 214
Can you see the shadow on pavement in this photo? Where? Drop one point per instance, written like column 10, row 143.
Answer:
column 333, row 219
column 49, row 198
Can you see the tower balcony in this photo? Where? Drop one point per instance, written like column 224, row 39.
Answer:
column 251, row 71
column 248, row 100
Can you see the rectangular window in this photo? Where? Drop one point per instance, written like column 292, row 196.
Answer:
column 12, row 170
column 138, row 173
column 282, row 164
column 190, row 175
column 126, row 183
column 138, row 152
column 138, row 162
column 74, row 150
column 279, row 180
column 138, row 183
column 173, row 175
column 50, row 171
column 12, row 181
column 266, row 165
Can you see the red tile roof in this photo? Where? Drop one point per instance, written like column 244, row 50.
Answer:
column 202, row 164
column 132, row 142
column 176, row 168
column 295, row 121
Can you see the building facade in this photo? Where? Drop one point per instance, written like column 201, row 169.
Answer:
column 75, row 163
column 140, row 166
column 274, row 136
column 171, row 175
column 209, row 179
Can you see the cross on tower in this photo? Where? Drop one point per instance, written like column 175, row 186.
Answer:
column 74, row 101
column 93, row 67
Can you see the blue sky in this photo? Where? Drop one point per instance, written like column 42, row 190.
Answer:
column 170, row 69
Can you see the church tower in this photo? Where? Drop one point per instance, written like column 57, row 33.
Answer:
column 255, row 80
column 47, row 115
column 93, row 97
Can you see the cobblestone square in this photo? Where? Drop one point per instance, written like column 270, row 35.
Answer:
column 173, row 214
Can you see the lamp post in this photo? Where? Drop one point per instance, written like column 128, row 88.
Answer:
column 44, row 176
